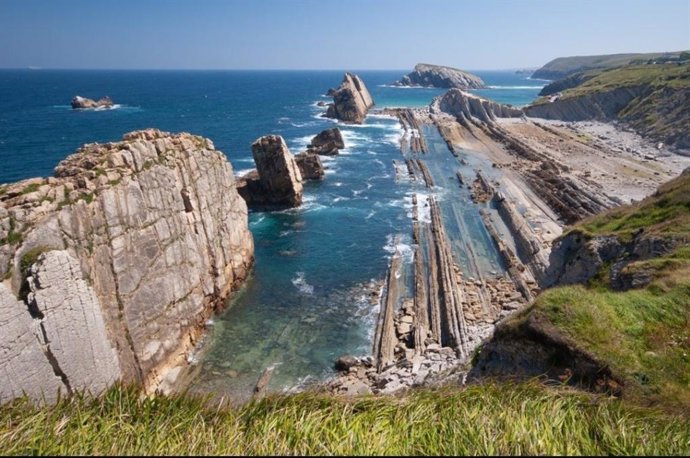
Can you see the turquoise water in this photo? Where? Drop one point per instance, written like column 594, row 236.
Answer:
column 309, row 298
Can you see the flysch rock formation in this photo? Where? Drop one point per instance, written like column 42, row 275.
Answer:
column 351, row 101
column 112, row 267
column 427, row 75
column 277, row 180
column 464, row 106
column 79, row 102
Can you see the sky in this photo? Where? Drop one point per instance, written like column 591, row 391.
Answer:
column 331, row 34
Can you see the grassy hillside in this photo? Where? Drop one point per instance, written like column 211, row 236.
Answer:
column 564, row 66
column 642, row 334
column 660, row 109
column 479, row 420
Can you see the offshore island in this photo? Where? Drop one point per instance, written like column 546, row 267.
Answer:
column 549, row 246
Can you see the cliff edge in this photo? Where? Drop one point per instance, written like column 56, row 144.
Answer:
column 112, row 266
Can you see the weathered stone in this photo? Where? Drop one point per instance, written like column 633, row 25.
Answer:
column 442, row 77
column 310, row 166
column 351, row 101
column 345, row 362
column 149, row 260
column 278, row 182
column 327, row 143
column 83, row 102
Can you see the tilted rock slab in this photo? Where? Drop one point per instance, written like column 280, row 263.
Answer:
column 147, row 236
column 442, row 77
column 277, row 181
column 351, row 101
column 466, row 106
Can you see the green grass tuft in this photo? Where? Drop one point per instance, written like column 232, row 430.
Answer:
column 479, row 420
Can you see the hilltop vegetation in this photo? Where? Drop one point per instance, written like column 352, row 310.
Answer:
column 564, row 66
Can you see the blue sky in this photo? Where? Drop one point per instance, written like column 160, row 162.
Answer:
column 330, row 34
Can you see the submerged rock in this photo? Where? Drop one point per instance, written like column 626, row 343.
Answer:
column 351, row 101
column 79, row 102
column 327, row 143
column 115, row 264
column 277, row 181
column 442, row 77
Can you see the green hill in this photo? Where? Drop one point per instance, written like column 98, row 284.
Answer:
column 564, row 66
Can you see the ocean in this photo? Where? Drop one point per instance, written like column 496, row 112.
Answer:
column 309, row 298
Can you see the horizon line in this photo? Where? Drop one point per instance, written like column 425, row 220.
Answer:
column 38, row 68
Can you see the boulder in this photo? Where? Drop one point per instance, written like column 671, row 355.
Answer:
column 79, row 102
column 345, row 362
column 277, row 181
column 351, row 101
column 310, row 166
column 327, row 143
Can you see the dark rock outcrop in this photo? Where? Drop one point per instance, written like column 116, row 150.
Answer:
column 327, row 143
column 113, row 266
column 277, row 181
column 442, row 77
column 79, row 102
column 351, row 101
column 310, row 166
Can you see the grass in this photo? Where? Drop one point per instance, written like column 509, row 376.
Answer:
column 643, row 334
column 30, row 188
column 479, row 420
column 666, row 213
column 656, row 75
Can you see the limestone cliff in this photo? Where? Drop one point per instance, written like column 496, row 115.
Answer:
column 112, row 267
column 442, row 77
column 351, row 101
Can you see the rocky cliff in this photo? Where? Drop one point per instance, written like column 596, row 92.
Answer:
column 351, row 101
column 465, row 106
column 112, row 266
column 277, row 181
column 442, row 77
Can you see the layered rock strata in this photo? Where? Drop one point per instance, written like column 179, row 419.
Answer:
column 113, row 266
column 442, row 77
column 277, row 181
column 351, row 101
column 466, row 106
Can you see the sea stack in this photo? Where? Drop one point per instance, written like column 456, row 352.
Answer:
column 277, row 181
column 427, row 75
column 79, row 102
column 351, row 101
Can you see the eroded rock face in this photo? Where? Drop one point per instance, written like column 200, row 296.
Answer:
column 351, row 101
column 465, row 106
column 277, row 181
column 327, row 143
column 443, row 77
column 148, row 235
column 79, row 102
column 310, row 166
